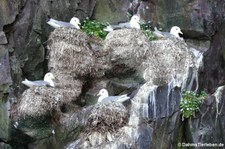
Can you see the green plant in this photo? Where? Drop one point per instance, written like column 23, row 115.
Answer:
column 147, row 31
column 191, row 103
column 93, row 27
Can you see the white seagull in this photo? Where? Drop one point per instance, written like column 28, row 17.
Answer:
column 74, row 23
column 105, row 98
column 134, row 23
column 48, row 81
column 174, row 31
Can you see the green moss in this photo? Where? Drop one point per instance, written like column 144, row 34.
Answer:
column 191, row 103
column 93, row 27
column 147, row 31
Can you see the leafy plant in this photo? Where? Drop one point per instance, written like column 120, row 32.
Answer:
column 191, row 103
column 147, row 31
column 93, row 27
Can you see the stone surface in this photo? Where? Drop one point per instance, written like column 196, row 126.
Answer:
column 213, row 71
column 154, row 109
column 112, row 11
column 5, row 77
column 208, row 125
column 5, row 82
column 24, row 24
column 3, row 39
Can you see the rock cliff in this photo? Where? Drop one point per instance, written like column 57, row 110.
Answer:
column 154, row 72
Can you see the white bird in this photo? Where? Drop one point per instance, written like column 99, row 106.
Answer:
column 74, row 23
column 134, row 23
column 174, row 31
column 48, row 81
column 105, row 98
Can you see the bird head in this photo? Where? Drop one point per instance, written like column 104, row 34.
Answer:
column 134, row 22
column 103, row 92
column 135, row 18
column 76, row 22
column 175, row 30
column 49, row 77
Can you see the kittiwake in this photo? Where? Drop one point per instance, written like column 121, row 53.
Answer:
column 74, row 23
column 48, row 81
column 105, row 98
column 134, row 23
column 174, row 31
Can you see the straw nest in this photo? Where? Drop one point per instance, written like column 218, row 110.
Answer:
column 39, row 101
column 107, row 118
column 127, row 47
column 74, row 53
column 67, row 81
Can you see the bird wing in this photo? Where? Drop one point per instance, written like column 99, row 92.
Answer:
column 55, row 23
column 40, row 83
column 110, row 28
column 35, row 83
column 121, row 98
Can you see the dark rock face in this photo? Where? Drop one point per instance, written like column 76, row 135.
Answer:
column 72, row 57
column 214, row 62
column 208, row 126
column 112, row 11
column 5, row 82
column 5, row 78
column 23, row 30
column 30, row 29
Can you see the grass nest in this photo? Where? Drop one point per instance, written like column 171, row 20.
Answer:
column 39, row 101
column 107, row 118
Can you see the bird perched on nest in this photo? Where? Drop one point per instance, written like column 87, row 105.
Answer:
column 74, row 23
column 105, row 98
column 174, row 31
column 134, row 23
column 48, row 81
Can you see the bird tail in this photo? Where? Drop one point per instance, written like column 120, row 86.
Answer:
column 27, row 82
column 53, row 23
column 108, row 28
column 123, row 98
column 156, row 29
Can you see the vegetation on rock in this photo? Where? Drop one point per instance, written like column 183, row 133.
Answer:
column 191, row 103
column 147, row 31
column 93, row 27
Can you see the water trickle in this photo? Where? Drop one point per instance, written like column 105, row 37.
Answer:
column 218, row 96
column 152, row 102
column 190, row 78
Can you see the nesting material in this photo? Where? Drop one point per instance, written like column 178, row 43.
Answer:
column 70, row 52
column 39, row 101
column 68, row 82
column 107, row 118
column 123, row 51
column 75, row 54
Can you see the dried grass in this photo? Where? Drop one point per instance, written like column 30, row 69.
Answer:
column 107, row 118
column 74, row 53
column 39, row 101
